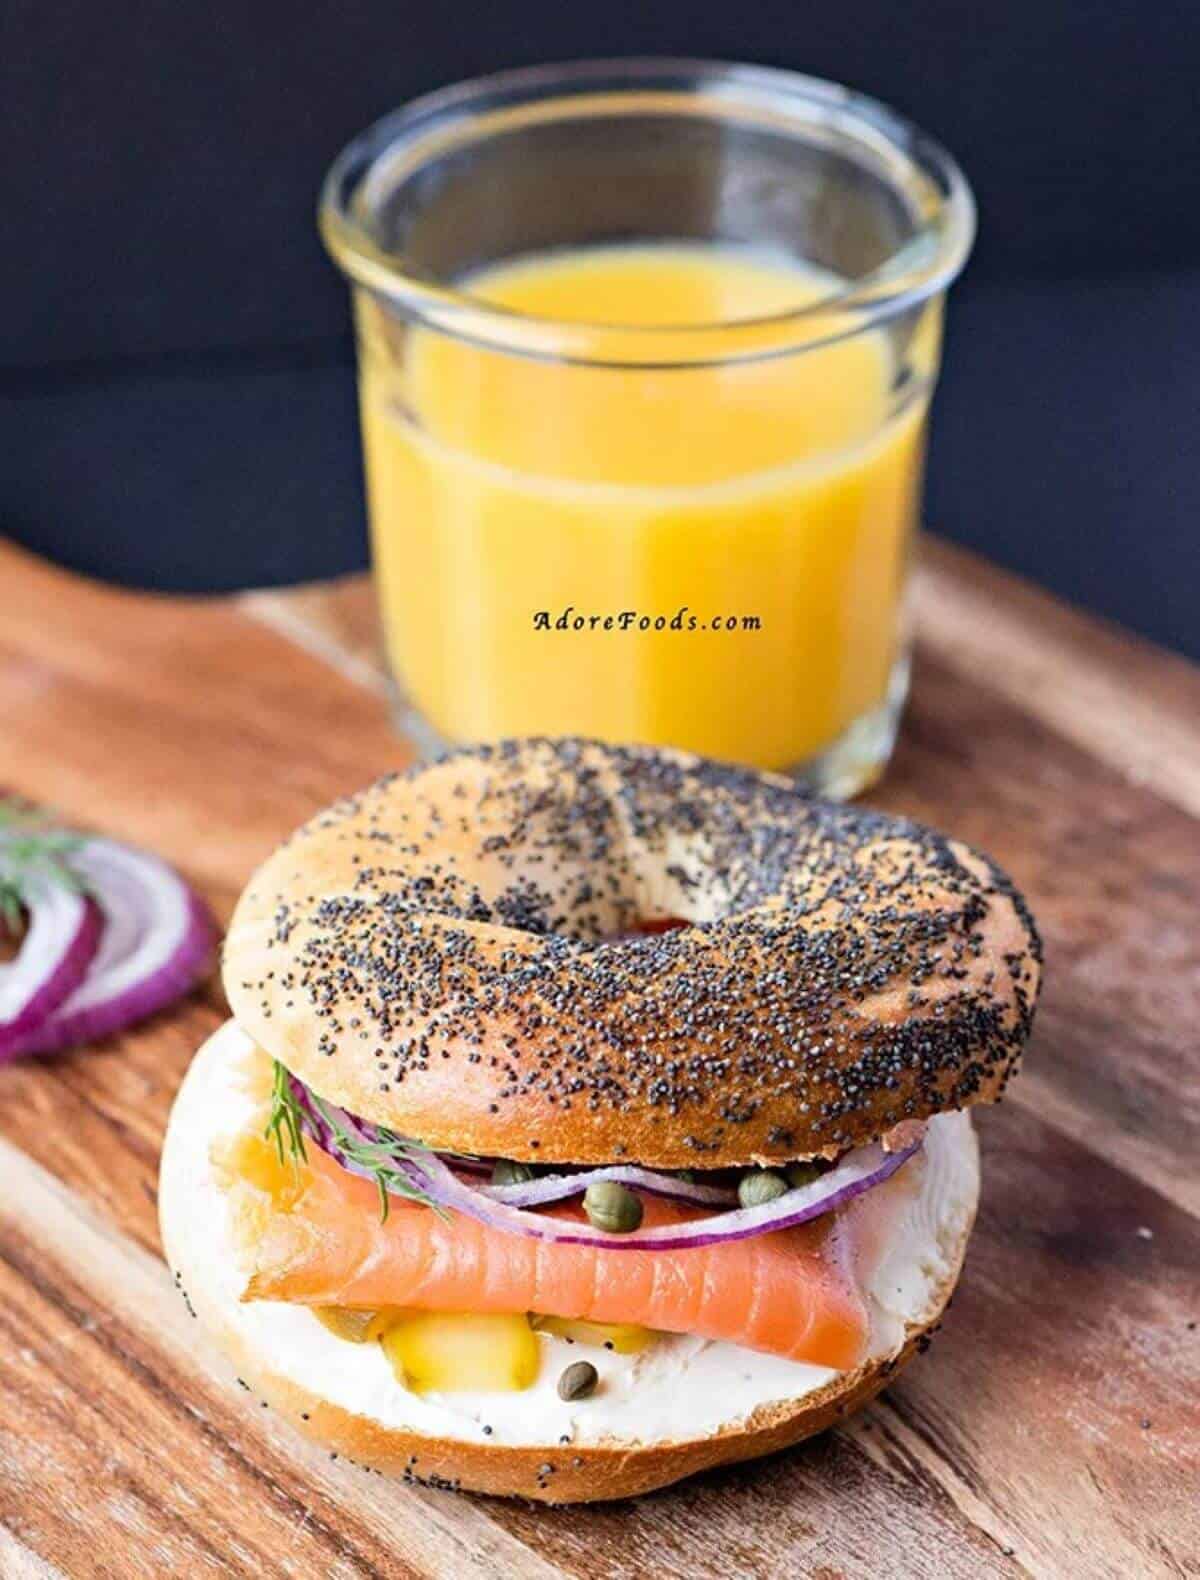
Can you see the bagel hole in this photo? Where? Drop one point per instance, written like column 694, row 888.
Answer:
column 649, row 927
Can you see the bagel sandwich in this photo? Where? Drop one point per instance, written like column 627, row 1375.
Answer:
column 590, row 1116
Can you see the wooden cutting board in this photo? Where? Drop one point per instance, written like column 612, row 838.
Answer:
column 1053, row 1429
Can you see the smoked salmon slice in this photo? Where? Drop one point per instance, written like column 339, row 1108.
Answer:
column 790, row 1293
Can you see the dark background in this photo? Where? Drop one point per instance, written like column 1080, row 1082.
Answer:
column 176, row 391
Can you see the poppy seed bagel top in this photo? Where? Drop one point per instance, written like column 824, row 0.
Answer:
column 450, row 954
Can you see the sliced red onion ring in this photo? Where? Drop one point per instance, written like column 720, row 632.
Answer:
column 858, row 1171
column 58, row 946
column 155, row 943
column 855, row 1172
column 462, row 1164
column 558, row 1187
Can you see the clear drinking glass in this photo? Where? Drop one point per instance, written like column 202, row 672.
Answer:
column 645, row 354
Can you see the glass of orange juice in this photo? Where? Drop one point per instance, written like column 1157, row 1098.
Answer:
column 646, row 350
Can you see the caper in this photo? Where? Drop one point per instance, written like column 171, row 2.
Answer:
column 804, row 1173
column 505, row 1172
column 760, row 1186
column 578, row 1381
column 611, row 1207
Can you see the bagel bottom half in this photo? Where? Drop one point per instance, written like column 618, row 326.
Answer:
column 681, row 1407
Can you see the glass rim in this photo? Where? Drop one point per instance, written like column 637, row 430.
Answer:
column 914, row 163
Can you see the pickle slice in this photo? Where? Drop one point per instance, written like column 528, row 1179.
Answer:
column 462, row 1352
column 358, row 1327
column 626, row 1338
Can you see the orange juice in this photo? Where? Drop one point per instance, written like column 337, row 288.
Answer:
column 708, row 556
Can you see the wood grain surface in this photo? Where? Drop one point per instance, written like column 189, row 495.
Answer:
column 1054, row 1427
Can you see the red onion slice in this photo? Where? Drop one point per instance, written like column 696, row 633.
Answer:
column 858, row 1171
column 558, row 1187
column 156, row 941
column 855, row 1172
column 58, row 947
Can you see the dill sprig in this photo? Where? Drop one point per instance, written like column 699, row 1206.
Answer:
column 286, row 1124
column 31, row 851
column 377, row 1159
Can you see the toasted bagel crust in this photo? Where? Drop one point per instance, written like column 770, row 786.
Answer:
column 589, row 1473
column 448, row 954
